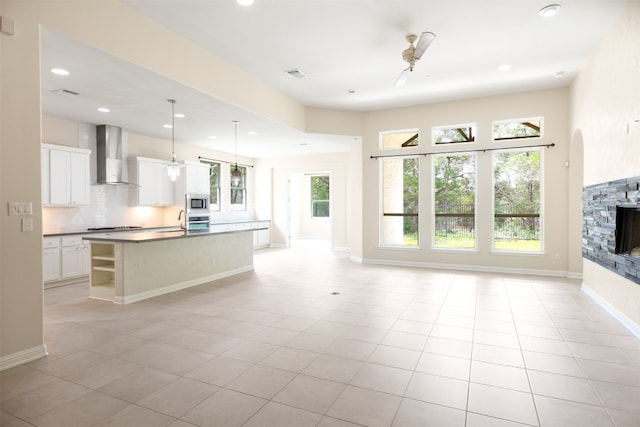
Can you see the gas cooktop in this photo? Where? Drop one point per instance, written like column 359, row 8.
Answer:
column 120, row 227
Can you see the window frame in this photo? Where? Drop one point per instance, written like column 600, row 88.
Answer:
column 399, row 131
column 218, row 189
column 520, row 121
column 242, row 188
column 473, row 125
column 433, row 204
column 541, row 216
column 311, row 199
column 382, row 214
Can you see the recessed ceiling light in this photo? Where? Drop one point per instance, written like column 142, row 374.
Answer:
column 244, row 2
column 351, row 91
column 103, row 110
column 253, row 133
column 167, row 126
column 504, row 67
column 211, row 137
column 60, row 71
column 558, row 74
column 549, row 11
column 179, row 115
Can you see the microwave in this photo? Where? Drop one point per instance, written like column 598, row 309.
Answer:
column 197, row 203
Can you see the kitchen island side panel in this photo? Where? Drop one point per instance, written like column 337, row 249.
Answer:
column 158, row 267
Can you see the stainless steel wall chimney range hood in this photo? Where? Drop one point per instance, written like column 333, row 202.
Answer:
column 110, row 156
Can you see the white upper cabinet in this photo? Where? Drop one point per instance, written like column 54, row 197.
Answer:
column 194, row 179
column 154, row 188
column 65, row 176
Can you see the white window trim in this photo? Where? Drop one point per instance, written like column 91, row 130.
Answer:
column 381, row 205
column 542, row 251
column 454, row 126
column 519, row 119
column 433, row 205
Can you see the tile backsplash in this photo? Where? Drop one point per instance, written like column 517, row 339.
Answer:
column 109, row 207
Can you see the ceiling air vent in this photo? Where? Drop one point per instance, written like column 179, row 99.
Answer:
column 296, row 74
column 65, row 92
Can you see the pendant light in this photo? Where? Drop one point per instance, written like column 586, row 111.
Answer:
column 173, row 168
column 236, row 175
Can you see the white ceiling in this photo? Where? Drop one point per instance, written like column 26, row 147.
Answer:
column 342, row 46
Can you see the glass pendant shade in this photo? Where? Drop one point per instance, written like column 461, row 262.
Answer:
column 236, row 176
column 173, row 168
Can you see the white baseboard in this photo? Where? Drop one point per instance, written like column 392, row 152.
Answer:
column 22, row 357
column 179, row 286
column 632, row 326
column 466, row 267
column 341, row 249
column 574, row 275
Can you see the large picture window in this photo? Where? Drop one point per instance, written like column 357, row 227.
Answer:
column 238, row 194
column 399, row 222
column 517, row 187
column 455, row 200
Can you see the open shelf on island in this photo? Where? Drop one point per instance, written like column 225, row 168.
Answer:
column 103, row 270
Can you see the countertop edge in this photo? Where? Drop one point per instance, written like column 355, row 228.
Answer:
column 131, row 236
column 77, row 232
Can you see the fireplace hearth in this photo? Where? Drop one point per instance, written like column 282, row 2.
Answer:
column 611, row 226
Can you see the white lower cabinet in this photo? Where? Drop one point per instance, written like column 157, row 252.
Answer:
column 51, row 267
column 75, row 257
column 64, row 258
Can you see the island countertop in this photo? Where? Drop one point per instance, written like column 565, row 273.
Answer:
column 140, row 236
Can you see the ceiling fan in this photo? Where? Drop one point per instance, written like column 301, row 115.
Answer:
column 412, row 54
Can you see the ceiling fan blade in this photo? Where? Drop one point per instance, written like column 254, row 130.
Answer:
column 423, row 43
column 402, row 78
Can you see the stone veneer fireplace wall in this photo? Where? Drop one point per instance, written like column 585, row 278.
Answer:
column 600, row 202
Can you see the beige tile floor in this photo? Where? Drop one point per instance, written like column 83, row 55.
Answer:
column 276, row 347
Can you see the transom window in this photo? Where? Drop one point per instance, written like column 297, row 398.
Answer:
column 454, row 134
column 399, row 139
column 517, row 129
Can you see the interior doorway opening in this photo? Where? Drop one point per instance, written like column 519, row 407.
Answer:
column 310, row 207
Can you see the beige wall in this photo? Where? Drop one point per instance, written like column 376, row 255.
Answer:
column 552, row 104
column 605, row 98
column 21, row 252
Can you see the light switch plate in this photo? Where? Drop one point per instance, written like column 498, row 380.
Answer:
column 20, row 208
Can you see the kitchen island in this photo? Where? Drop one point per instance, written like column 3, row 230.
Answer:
column 133, row 266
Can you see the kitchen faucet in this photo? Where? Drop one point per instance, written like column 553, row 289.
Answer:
column 180, row 218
